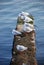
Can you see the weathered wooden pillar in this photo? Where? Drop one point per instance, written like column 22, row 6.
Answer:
column 26, row 57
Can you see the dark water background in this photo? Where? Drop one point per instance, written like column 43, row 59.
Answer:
column 9, row 10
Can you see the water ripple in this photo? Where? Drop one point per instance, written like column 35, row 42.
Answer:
column 9, row 10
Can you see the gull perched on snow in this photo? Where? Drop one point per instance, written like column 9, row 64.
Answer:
column 15, row 32
column 21, row 48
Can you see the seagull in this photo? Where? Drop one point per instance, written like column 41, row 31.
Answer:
column 21, row 48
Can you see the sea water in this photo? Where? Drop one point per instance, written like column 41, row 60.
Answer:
column 9, row 10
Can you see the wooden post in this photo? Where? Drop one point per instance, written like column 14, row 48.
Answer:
column 27, row 39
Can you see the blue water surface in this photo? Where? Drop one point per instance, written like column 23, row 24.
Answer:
column 9, row 10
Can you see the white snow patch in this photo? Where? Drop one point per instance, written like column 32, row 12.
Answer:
column 23, row 15
column 28, row 27
column 15, row 32
column 21, row 48
column 27, row 19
